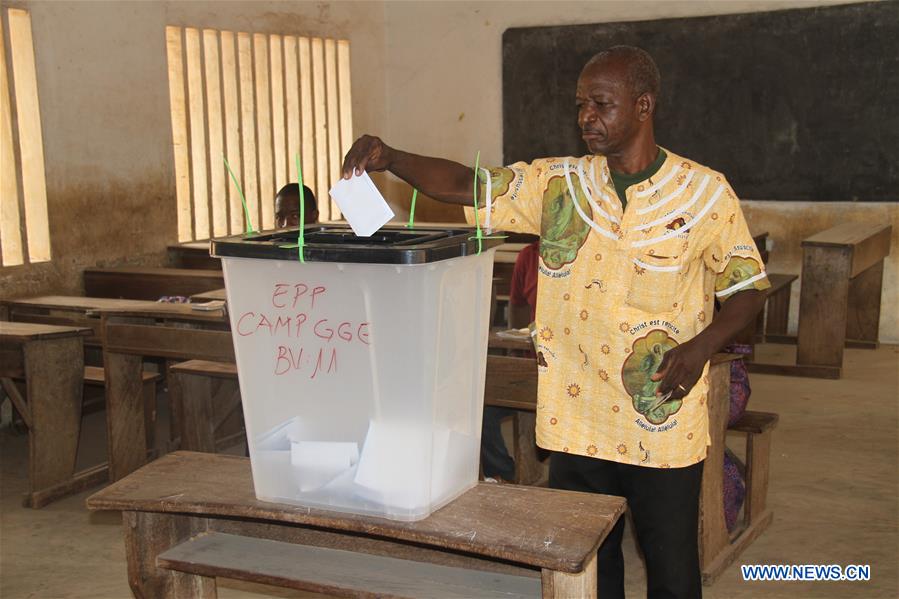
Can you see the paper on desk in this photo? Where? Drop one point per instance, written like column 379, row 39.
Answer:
column 362, row 204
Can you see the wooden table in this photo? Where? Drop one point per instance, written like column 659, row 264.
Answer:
column 67, row 310
column 144, row 283
column 839, row 299
column 50, row 359
column 190, row 517
column 175, row 332
column 193, row 254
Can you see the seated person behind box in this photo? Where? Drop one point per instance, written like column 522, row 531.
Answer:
column 287, row 206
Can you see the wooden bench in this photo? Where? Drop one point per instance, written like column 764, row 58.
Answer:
column 839, row 299
column 190, row 517
column 149, row 283
column 50, row 359
column 174, row 332
column 210, row 397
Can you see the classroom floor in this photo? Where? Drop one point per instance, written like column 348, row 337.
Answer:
column 834, row 487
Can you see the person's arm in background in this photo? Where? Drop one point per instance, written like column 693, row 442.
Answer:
column 438, row 178
column 521, row 312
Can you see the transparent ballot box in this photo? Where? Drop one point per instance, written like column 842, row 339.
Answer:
column 362, row 369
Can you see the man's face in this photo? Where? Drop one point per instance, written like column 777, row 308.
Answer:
column 608, row 113
column 287, row 212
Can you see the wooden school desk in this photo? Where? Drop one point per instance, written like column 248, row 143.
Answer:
column 67, row 310
column 170, row 331
column 50, row 359
column 839, row 299
column 192, row 517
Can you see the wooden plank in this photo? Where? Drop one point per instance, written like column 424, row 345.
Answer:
column 10, row 225
column 31, row 143
column 180, row 145
column 803, row 370
column 126, row 433
column 197, row 116
column 216, row 295
column 334, row 571
column 713, row 535
column 714, row 569
column 148, row 535
column 292, row 103
column 373, row 545
column 846, row 234
column 73, row 302
column 307, row 130
column 823, row 306
column 758, row 456
column 232, row 130
column 871, row 251
column 221, row 486
column 226, row 370
column 755, row 422
column 863, row 310
column 22, row 332
column 174, row 313
column 248, row 126
column 335, row 156
column 18, row 371
column 80, row 481
column 511, row 379
column 149, row 283
column 169, row 342
column 217, row 180
column 320, row 127
column 276, row 58
column 53, row 373
column 264, row 131
column 561, row 585
column 197, row 413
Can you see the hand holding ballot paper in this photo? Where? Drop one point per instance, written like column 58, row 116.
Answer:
column 362, row 204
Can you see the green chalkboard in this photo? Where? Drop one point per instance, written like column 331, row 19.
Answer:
column 789, row 105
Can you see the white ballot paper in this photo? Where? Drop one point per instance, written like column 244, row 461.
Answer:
column 362, row 204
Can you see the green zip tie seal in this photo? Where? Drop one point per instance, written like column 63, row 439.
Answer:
column 477, row 220
column 243, row 200
column 412, row 210
column 301, row 234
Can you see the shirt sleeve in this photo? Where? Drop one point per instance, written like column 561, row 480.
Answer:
column 731, row 253
column 508, row 199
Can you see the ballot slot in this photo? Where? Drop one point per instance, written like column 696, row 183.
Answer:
column 362, row 382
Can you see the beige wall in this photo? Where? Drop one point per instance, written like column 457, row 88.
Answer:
column 444, row 76
column 103, row 87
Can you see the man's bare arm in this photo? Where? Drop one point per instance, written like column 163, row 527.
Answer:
column 438, row 178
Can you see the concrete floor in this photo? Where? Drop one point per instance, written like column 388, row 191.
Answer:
column 834, row 493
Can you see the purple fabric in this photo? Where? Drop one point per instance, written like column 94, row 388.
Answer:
column 734, row 491
column 739, row 383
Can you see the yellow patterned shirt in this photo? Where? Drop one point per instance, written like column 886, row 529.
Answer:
column 616, row 290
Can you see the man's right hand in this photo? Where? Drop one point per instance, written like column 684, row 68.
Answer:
column 368, row 153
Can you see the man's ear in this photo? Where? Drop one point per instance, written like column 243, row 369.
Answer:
column 646, row 106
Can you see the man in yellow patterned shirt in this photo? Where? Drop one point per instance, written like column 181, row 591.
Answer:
column 636, row 243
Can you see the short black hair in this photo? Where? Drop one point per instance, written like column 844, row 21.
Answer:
column 643, row 74
column 292, row 190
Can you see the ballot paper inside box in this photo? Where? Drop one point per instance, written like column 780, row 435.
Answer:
column 362, row 383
